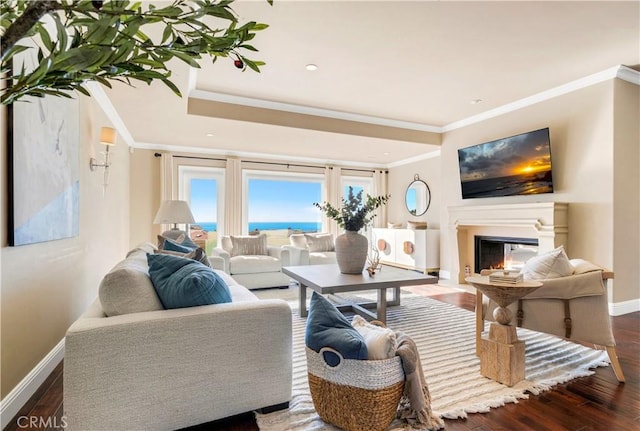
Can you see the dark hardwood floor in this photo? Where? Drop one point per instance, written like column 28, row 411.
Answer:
column 594, row 403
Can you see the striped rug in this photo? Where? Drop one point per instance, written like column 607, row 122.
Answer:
column 445, row 336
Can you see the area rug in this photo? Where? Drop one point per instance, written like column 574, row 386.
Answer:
column 445, row 336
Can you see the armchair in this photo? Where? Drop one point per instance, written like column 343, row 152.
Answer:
column 253, row 263
column 573, row 307
column 312, row 248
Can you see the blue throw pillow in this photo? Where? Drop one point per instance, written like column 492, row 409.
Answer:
column 327, row 327
column 188, row 242
column 171, row 245
column 182, row 282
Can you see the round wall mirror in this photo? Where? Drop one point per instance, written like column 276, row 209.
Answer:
column 418, row 197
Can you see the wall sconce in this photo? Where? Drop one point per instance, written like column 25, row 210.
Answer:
column 107, row 138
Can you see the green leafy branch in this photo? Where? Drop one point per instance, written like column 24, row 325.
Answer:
column 104, row 41
column 354, row 215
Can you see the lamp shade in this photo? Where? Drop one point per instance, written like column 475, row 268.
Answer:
column 107, row 136
column 174, row 212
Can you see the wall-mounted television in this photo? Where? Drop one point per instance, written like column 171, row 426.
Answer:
column 517, row 165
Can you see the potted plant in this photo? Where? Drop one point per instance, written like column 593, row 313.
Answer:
column 354, row 215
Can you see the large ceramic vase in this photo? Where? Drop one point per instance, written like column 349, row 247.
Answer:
column 351, row 252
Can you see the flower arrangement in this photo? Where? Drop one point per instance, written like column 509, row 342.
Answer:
column 354, row 213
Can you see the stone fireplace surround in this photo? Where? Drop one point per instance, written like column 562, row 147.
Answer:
column 544, row 221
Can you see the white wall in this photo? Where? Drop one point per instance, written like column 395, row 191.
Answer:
column 582, row 145
column 429, row 170
column 145, row 196
column 626, row 210
column 46, row 286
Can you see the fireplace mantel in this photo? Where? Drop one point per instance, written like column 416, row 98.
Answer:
column 545, row 221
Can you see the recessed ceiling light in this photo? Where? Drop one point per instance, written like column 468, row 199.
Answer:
column 209, row 134
column 311, row 67
column 385, row 154
column 475, row 101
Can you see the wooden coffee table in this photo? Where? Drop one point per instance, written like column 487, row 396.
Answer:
column 327, row 279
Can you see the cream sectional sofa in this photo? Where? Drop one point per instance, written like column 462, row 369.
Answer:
column 147, row 368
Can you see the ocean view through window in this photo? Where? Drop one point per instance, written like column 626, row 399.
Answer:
column 203, row 200
column 280, row 206
column 203, row 188
column 277, row 203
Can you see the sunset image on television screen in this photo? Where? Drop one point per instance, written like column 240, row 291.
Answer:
column 518, row 165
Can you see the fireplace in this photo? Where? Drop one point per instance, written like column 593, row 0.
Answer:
column 499, row 252
column 545, row 222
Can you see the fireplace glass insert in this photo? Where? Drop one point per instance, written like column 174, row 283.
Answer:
column 495, row 252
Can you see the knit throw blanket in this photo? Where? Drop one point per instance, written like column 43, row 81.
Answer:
column 415, row 405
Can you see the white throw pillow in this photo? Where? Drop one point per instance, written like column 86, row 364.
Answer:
column 298, row 240
column 580, row 266
column 553, row 264
column 251, row 245
column 381, row 342
column 320, row 242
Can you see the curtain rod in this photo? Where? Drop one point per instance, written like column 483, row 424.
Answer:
column 386, row 171
column 284, row 164
column 312, row 166
column 194, row 157
column 279, row 164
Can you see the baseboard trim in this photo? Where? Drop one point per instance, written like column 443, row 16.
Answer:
column 20, row 395
column 444, row 274
column 625, row 307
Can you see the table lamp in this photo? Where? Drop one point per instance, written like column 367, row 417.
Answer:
column 174, row 212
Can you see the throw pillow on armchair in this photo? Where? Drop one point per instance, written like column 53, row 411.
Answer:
column 320, row 242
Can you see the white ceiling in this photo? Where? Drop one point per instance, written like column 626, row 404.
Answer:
column 417, row 62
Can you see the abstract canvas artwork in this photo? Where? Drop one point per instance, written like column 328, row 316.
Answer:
column 44, row 168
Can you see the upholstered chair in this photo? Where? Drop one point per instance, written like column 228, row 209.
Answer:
column 312, row 248
column 573, row 307
column 253, row 263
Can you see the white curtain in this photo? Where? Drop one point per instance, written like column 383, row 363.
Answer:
column 166, row 176
column 233, row 197
column 380, row 188
column 332, row 175
column 166, row 183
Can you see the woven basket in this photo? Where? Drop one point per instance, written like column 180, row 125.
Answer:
column 355, row 395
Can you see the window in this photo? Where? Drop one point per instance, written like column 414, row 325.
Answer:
column 280, row 204
column 203, row 188
column 357, row 183
column 364, row 184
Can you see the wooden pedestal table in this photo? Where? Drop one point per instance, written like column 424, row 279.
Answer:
column 501, row 353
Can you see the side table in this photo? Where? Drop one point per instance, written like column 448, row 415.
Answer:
column 501, row 353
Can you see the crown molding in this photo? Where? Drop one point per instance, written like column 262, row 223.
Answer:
column 309, row 110
column 628, row 74
column 619, row 71
column 98, row 93
column 429, row 155
column 246, row 155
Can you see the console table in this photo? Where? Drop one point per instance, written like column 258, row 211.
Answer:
column 409, row 248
